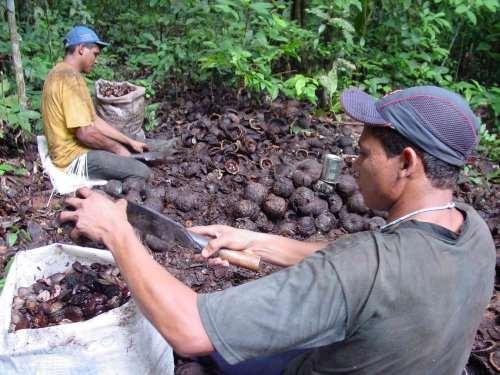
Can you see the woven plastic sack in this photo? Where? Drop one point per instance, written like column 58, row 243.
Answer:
column 119, row 341
column 125, row 113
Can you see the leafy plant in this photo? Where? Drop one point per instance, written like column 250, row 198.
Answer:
column 9, row 168
column 489, row 144
column 301, row 87
column 14, row 233
column 5, row 272
column 11, row 113
column 257, row 45
column 472, row 175
column 150, row 115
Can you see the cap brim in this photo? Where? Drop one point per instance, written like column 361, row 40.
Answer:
column 101, row 43
column 361, row 106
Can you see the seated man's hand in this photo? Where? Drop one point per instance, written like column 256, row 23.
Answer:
column 138, row 147
column 121, row 150
column 225, row 237
column 96, row 216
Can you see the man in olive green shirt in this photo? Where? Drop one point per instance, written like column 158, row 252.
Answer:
column 71, row 125
column 406, row 299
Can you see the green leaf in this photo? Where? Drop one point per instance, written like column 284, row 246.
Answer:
column 472, row 17
column 273, row 91
column 261, row 8
column 310, row 93
column 280, row 22
column 5, row 86
column 5, row 272
column 300, row 84
column 329, row 82
column 25, row 234
column 224, row 8
column 492, row 5
column 494, row 176
column 32, row 115
column 8, row 168
column 4, row 168
column 11, row 238
column 462, row 8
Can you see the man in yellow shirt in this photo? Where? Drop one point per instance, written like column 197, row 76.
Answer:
column 71, row 125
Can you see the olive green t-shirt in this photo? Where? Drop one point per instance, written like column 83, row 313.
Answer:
column 407, row 300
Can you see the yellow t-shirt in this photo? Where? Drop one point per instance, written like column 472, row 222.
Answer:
column 66, row 106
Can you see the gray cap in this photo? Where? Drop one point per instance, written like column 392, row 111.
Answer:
column 437, row 120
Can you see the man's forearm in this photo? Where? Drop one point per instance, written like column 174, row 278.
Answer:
column 167, row 303
column 111, row 132
column 283, row 251
column 91, row 137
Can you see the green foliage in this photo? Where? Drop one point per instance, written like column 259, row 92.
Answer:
column 302, row 87
column 150, row 116
column 15, row 234
column 11, row 113
column 253, row 44
column 6, row 168
column 472, row 175
column 5, row 272
column 255, row 36
column 477, row 178
column 489, row 144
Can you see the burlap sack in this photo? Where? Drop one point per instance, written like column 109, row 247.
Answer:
column 125, row 113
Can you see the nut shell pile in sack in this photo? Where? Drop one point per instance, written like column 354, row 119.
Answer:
column 78, row 294
column 115, row 89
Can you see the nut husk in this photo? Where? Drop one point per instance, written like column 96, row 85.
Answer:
column 283, row 187
column 246, row 208
column 346, row 185
column 274, row 206
column 356, row 204
column 307, row 173
column 256, row 192
column 288, row 229
column 306, row 226
column 326, row 222
column 335, row 203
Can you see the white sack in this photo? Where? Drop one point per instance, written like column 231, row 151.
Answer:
column 120, row 341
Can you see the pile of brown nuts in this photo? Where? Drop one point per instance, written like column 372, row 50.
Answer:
column 78, row 294
column 115, row 89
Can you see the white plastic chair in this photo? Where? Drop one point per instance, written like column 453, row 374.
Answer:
column 70, row 179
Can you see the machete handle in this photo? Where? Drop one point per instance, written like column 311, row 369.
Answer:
column 240, row 258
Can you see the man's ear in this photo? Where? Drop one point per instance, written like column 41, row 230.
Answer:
column 80, row 49
column 410, row 162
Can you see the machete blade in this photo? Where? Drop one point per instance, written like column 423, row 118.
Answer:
column 152, row 222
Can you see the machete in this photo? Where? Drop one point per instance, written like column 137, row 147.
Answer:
column 152, row 222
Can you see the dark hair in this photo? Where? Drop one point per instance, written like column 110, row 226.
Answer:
column 441, row 174
column 69, row 50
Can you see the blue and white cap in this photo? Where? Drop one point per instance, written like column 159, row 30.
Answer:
column 82, row 35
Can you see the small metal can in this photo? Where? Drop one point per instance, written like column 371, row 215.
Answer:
column 332, row 166
column 324, row 187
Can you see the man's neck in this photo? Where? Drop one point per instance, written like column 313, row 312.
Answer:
column 427, row 197
column 70, row 60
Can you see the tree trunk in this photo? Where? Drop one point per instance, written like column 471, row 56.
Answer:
column 16, row 55
column 297, row 12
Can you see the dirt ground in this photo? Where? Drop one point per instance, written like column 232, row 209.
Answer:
column 229, row 149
